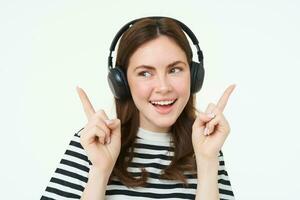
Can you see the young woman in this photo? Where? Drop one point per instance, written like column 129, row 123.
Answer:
column 160, row 146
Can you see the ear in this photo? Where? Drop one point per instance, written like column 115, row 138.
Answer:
column 118, row 83
column 197, row 76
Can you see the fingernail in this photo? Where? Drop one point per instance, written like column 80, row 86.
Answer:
column 108, row 140
column 108, row 121
column 206, row 131
column 211, row 115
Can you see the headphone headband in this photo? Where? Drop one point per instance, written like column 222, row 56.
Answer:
column 186, row 29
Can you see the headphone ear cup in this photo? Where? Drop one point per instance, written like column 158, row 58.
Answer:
column 118, row 83
column 197, row 76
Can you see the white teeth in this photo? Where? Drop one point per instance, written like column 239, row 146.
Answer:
column 162, row 102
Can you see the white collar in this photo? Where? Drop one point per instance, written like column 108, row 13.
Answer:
column 154, row 136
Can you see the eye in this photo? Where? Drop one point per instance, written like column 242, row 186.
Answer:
column 176, row 69
column 144, row 73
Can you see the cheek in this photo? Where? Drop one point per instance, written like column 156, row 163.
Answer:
column 137, row 89
column 182, row 86
column 140, row 90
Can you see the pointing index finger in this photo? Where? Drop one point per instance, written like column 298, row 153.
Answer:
column 224, row 98
column 87, row 106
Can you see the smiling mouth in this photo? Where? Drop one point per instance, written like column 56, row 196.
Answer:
column 163, row 107
column 163, row 103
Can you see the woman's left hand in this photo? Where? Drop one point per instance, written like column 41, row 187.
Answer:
column 210, row 132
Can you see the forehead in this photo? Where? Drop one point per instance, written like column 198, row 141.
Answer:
column 158, row 52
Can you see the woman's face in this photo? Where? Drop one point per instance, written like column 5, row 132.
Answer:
column 159, row 79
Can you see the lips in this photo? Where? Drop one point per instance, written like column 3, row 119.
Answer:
column 163, row 109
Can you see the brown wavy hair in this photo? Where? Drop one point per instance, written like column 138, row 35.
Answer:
column 139, row 33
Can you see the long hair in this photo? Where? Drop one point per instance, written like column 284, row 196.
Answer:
column 139, row 33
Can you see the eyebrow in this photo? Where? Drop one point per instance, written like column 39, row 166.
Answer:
column 151, row 67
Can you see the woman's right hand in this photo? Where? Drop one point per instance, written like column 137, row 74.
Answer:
column 101, row 137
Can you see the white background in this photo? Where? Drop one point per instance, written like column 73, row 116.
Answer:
column 49, row 47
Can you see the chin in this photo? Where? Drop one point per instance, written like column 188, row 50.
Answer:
column 165, row 123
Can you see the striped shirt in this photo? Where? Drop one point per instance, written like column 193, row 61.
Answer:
column 151, row 151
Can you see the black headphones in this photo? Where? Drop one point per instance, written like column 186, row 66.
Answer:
column 116, row 77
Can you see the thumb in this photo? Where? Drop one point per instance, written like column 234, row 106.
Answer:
column 199, row 125
column 114, row 125
column 202, row 119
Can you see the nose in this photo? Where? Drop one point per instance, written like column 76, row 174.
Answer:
column 163, row 85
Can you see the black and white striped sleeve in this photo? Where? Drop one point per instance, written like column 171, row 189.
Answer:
column 71, row 175
column 225, row 189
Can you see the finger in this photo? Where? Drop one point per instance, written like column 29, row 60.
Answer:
column 224, row 98
column 199, row 125
column 211, row 125
column 115, row 125
column 102, row 125
column 87, row 106
column 101, row 135
column 211, row 109
column 92, row 134
column 98, row 132
column 201, row 120
column 220, row 120
column 104, row 136
column 101, row 115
